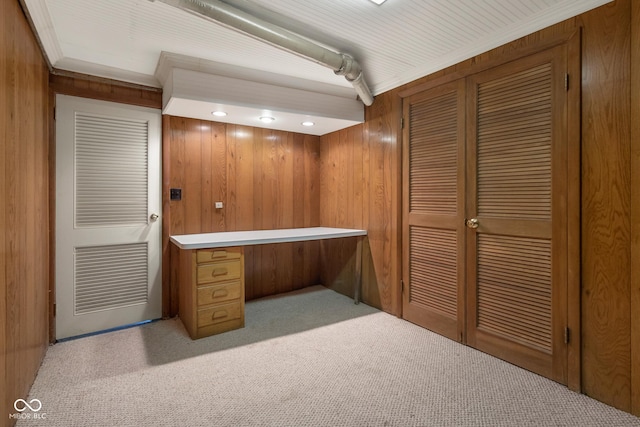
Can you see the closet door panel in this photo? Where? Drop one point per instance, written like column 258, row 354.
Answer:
column 433, row 207
column 516, row 192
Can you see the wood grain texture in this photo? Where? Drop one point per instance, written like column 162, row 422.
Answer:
column 516, row 285
column 574, row 349
column 433, row 209
column 383, row 133
column 359, row 188
column 606, row 183
column 24, row 215
column 6, row 12
column 635, row 210
column 606, row 263
column 265, row 178
column 85, row 86
column 604, row 149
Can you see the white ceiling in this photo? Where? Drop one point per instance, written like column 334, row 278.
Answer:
column 395, row 43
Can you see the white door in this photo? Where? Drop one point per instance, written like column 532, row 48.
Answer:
column 108, row 199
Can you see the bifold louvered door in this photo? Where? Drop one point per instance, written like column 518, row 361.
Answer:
column 517, row 191
column 485, row 211
column 434, row 210
column 107, row 237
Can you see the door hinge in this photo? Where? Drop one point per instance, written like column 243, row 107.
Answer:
column 567, row 335
column 566, row 81
column 402, row 285
column 402, row 123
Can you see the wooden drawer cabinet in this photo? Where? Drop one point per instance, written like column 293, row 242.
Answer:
column 219, row 313
column 211, row 290
column 219, row 293
column 219, row 254
column 219, row 271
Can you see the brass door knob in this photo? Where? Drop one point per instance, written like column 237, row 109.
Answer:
column 472, row 223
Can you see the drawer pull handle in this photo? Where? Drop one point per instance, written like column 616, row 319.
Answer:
column 218, row 254
column 219, row 314
column 219, row 272
column 219, row 293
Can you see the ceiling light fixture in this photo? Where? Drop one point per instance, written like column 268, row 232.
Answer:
column 378, row 2
column 219, row 113
column 308, row 123
column 267, row 119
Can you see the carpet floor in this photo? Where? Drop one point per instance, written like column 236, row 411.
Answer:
column 308, row 358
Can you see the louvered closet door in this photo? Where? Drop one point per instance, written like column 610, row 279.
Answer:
column 108, row 244
column 433, row 210
column 517, row 255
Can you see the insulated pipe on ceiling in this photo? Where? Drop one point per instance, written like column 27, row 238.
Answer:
column 341, row 63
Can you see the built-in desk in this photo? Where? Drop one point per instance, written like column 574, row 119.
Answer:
column 211, row 273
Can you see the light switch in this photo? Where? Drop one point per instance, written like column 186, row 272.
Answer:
column 176, row 194
column 219, row 205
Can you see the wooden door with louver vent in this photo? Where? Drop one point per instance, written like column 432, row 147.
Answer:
column 433, row 295
column 516, row 190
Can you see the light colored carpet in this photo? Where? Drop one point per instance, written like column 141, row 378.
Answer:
column 309, row 358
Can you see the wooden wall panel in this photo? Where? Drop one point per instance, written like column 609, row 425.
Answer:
column 5, row 39
column 85, row 86
column 24, row 214
column 383, row 134
column 635, row 209
column 337, row 265
column 610, row 290
column 311, row 206
column 606, row 185
column 265, row 178
column 360, row 178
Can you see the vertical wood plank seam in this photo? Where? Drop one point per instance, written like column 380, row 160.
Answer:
column 635, row 208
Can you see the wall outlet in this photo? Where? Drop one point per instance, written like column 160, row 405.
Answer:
column 219, row 205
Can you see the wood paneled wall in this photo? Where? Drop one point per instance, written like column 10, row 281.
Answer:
column 606, row 197
column 85, row 86
column 24, row 213
column 610, row 292
column 265, row 178
column 360, row 188
column 635, row 208
column 272, row 179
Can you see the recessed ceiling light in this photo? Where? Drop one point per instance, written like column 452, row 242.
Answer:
column 378, row 2
column 219, row 113
column 308, row 123
column 266, row 119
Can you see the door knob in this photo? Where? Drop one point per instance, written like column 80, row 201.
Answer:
column 472, row 223
column 153, row 217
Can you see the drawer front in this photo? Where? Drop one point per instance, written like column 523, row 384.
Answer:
column 221, row 254
column 219, row 293
column 219, row 271
column 220, row 313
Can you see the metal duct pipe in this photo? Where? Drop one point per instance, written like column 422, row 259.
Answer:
column 342, row 64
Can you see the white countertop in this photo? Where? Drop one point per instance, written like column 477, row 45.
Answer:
column 261, row 237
